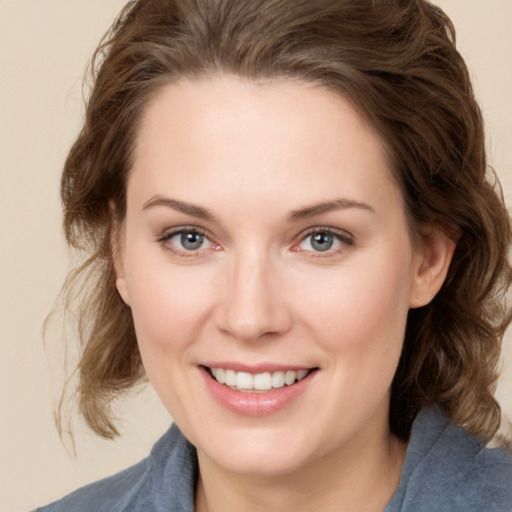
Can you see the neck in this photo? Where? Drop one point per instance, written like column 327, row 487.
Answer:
column 362, row 477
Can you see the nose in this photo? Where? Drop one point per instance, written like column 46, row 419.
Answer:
column 252, row 304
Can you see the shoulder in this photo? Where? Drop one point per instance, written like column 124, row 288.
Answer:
column 167, row 474
column 447, row 469
column 106, row 494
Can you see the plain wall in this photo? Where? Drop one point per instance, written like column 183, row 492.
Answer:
column 45, row 46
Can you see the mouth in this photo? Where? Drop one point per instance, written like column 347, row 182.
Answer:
column 263, row 382
column 256, row 391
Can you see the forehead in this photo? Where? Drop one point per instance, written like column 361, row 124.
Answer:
column 225, row 135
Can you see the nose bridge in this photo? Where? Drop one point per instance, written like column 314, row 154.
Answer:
column 253, row 305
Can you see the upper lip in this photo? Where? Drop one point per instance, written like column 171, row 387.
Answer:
column 255, row 368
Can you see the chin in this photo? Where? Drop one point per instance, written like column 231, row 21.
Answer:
column 268, row 452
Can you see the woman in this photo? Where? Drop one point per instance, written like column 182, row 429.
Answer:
column 285, row 208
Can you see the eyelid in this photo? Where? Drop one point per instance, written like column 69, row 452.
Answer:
column 170, row 233
column 346, row 239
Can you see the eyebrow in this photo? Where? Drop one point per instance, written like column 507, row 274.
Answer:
column 295, row 215
column 181, row 206
column 317, row 209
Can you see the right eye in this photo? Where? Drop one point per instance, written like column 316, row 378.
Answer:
column 186, row 240
column 189, row 240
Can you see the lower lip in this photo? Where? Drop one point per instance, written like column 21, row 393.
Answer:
column 255, row 404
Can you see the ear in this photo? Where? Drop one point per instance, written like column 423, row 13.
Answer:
column 116, row 247
column 433, row 260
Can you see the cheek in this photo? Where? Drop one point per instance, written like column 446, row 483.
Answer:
column 169, row 307
column 362, row 310
column 168, row 303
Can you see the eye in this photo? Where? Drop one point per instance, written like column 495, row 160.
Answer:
column 185, row 240
column 324, row 241
column 321, row 241
column 190, row 241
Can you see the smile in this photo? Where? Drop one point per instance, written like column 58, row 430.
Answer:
column 260, row 393
column 265, row 381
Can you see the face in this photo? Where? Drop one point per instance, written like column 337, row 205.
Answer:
column 266, row 258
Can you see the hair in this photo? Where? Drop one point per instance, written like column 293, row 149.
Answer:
column 397, row 62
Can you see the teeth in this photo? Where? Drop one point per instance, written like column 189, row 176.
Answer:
column 230, row 378
column 244, row 380
column 221, row 375
column 301, row 374
column 278, row 379
column 266, row 381
column 262, row 381
column 289, row 378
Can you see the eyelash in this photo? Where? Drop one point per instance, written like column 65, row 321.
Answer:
column 346, row 240
column 343, row 237
column 164, row 239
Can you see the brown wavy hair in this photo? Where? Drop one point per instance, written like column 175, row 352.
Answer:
column 397, row 61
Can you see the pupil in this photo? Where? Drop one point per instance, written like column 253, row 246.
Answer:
column 191, row 241
column 322, row 242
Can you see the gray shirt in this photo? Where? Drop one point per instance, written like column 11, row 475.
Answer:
column 445, row 470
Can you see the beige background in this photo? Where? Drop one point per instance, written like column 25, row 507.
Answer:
column 44, row 48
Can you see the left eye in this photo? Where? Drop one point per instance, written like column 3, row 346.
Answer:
column 321, row 241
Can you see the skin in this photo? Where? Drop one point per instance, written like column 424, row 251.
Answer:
column 258, row 292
